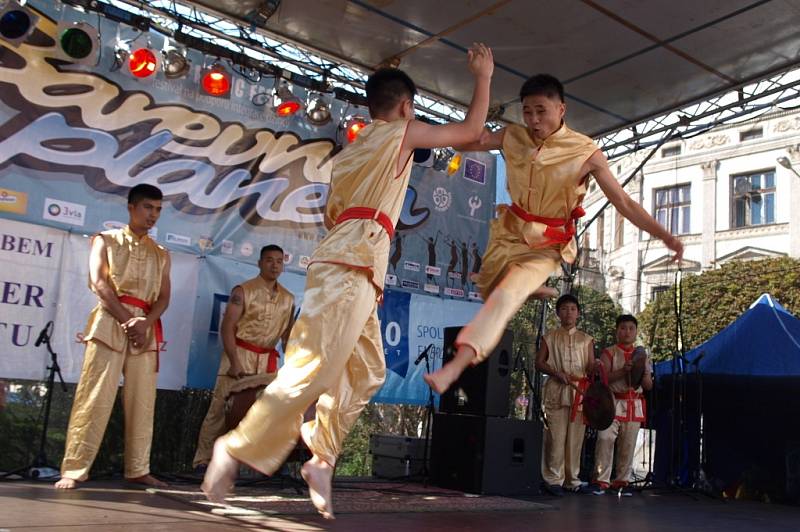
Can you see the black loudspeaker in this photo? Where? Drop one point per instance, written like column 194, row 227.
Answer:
column 487, row 455
column 481, row 390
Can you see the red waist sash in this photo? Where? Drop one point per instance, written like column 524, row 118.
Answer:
column 367, row 213
column 157, row 327
column 554, row 232
column 272, row 361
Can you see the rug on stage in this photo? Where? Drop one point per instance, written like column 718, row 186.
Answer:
column 354, row 497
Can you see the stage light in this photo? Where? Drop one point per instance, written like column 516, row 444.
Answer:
column 442, row 158
column 16, row 22
column 174, row 63
column 284, row 103
column 454, row 164
column 142, row 63
column 318, row 112
column 352, row 125
column 216, row 80
column 78, row 42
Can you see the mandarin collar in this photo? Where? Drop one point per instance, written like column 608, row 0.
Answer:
column 560, row 132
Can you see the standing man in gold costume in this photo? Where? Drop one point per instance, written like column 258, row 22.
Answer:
column 258, row 314
column 129, row 273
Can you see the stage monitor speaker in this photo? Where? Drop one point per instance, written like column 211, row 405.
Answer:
column 487, row 455
column 482, row 390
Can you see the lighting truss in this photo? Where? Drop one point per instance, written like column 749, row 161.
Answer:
column 781, row 88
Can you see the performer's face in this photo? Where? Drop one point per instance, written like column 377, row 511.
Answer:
column 144, row 214
column 271, row 265
column 568, row 314
column 626, row 332
column 542, row 114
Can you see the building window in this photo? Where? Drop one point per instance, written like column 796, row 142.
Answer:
column 658, row 291
column 619, row 231
column 753, row 199
column 672, row 208
column 671, row 151
column 750, row 134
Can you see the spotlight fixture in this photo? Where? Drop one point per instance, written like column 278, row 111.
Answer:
column 284, row 103
column 785, row 162
column 78, row 42
column 174, row 63
column 454, row 164
column 16, row 22
column 216, row 80
column 318, row 112
column 441, row 158
column 352, row 125
column 142, row 63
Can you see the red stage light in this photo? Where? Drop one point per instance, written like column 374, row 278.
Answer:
column 288, row 108
column 216, row 81
column 352, row 126
column 142, row 63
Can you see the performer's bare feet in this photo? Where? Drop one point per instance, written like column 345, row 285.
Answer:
column 221, row 473
column 66, row 484
column 318, row 474
column 147, row 480
column 444, row 377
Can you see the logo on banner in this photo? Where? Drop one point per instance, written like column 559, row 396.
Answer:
column 411, row 266
column 64, row 211
column 433, row 270
column 227, row 247
column 394, row 318
column 13, row 201
column 391, row 280
column 431, row 288
column 406, row 283
column 474, row 203
column 454, row 292
column 180, row 240
column 246, row 249
column 474, row 171
column 475, row 296
column 205, row 243
column 454, row 275
column 303, row 261
column 442, row 199
column 287, row 257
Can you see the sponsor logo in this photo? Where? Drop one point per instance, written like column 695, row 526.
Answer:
column 454, row 292
column 433, row 270
column 287, row 257
column 474, row 171
column 431, row 288
column 391, row 280
column 13, row 201
column 442, row 199
column 454, row 275
column 227, row 247
column 303, row 261
column 405, row 283
column 180, row 240
column 411, row 266
column 246, row 249
column 64, row 211
column 205, row 243
column 474, row 203
column 474, row 296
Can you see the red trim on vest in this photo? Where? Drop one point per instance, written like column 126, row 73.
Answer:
column 157, row 327
column 272, row 362
column 367, row 213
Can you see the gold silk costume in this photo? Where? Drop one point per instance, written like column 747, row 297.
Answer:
column 570, row 352
column 335, row 352
column 266, row 317
column 629, row 405
column 529, row 238
column 136, row 267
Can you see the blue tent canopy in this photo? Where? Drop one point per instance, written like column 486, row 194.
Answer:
column 763, row 342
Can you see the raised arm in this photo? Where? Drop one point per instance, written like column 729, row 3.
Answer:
column 490, row 140
column 598, row 166
column 422, row 135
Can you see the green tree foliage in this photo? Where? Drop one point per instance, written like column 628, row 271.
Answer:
column 712, row 300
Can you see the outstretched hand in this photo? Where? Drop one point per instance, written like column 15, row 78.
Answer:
column 677, row 246
column 481, row 60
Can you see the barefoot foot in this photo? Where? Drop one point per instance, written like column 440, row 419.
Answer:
column 318, row 475
column 221, row 473
column 147, row 480
column 441, row 379
column 66, row 484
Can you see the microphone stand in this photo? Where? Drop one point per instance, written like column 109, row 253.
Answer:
column 33, row 469
column 429, row 411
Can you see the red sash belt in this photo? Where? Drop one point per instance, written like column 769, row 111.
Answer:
column 272, row 361
column 367, row 213
column 630, row 397
column 583, row 385
column 554, row 232
column 157, row 327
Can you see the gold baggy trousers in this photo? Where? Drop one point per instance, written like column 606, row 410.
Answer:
column 94, row 400
column 624, row 434
column 563, row 442
column 335, row 355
